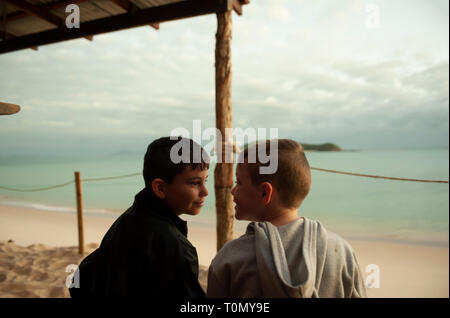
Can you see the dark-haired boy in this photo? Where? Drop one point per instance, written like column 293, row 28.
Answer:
column 281, row 255
column 146, row 252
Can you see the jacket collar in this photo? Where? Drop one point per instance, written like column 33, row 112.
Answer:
column 147, row 202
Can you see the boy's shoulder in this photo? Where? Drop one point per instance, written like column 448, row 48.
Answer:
column 235, row 251
column 330, row 240
column 146, row 228
column 334, row 243
column 337, row 241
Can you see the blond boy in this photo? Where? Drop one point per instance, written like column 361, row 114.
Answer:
column 281, row 254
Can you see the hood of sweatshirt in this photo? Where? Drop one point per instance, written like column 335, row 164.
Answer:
column 299, row 273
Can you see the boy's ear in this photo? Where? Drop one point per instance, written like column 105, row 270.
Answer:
column 159, row 187
column 266, row 192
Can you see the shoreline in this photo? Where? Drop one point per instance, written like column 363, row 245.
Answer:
column 240, row 226
column 406, row 270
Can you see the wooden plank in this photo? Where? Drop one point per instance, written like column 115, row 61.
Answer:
column 8, row 109
column 46, row 8
column 36, row 11
column 237, row 7
column 223, row 174
column 6, row 35
column 124, row 4
column 170, row 12
column 132, row 8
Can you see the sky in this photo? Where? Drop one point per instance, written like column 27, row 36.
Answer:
column 361, row 74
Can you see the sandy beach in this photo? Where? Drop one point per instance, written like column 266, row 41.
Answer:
column 37, row 246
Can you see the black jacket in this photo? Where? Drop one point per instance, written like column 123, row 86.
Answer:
column 145, row 253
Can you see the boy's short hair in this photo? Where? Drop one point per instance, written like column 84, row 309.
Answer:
column 158, row 162
column 292, row 179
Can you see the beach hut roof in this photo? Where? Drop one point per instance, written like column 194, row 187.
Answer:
column 26, row 24
column 32, row 23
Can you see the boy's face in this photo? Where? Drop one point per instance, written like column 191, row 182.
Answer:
column 186, row 194
column 246, row 196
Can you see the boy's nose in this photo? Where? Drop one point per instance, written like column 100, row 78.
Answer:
column 204, row 191
column 232, row 190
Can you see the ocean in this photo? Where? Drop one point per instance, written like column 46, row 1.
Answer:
column 355, row 207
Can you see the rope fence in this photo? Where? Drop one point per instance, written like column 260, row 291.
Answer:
column 312, row 168
column 378, row 177
column 38, row 189
column 70, row 182
column 79, row 195
column 116, row 177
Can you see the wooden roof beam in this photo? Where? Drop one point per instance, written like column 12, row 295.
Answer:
column 44, row 12
column 35, row 11
column 124, row 4
column 169, row 12
column 8, row 109
column 131, row 8
column 237, row 5
column 46, row 7
column 6, row 35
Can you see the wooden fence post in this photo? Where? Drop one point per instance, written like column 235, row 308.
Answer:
column 223, row 174
column 79, row 196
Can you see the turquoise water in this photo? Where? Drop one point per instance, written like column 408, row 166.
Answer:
column 355, row 207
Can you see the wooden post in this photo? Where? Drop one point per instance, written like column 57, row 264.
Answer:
column 8, row 109
column 79, row 212
column 223, row 174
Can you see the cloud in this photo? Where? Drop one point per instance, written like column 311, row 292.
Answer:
column 349, row 97
column 311, row 69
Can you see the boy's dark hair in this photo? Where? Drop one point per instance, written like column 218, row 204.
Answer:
column 158, row 162
column 293, row 176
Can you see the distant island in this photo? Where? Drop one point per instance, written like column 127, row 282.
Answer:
column 328, row 146
column 307, row 147
column 323, row 147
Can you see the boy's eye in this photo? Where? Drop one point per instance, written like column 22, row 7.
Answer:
column 198, row 183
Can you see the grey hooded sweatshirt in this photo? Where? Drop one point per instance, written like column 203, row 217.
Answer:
column 299, row 259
